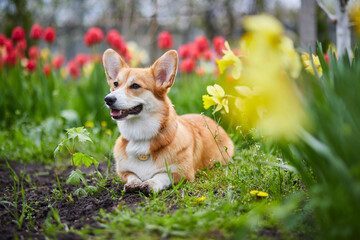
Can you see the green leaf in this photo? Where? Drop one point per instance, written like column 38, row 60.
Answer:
column 80, row 192
column 76, row 177
column 60, row 146
column 82, row 158
column 13, row 174
column 91, row 190
column 80, row 132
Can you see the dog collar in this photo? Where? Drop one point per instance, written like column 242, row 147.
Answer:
column 143, row 157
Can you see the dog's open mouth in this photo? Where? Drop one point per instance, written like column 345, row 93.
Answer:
column 123, row 113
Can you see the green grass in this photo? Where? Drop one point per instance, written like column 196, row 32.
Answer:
column 313, row 183
column 228, row 210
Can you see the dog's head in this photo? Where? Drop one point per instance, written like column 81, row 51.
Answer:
column 137, row 92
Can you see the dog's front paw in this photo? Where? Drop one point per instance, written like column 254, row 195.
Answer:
column 132, row 187
column 149, row 187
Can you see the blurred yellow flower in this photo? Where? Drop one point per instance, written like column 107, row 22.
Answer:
column 264, row 24
column 88, row 68
column 103, row 124
column 89, row 124
column 309, row 65
column 108, row 131
column 229, row 59
column 259, row 193
column 217, row 96
column 200, row 199
column 267, row 99
column 64, row 72
column 354, row 14
column 45, row 53
column 138, row 54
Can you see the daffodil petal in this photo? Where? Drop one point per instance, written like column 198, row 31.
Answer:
column 208, row 101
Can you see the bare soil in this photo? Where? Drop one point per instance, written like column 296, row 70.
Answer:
column 39, row 182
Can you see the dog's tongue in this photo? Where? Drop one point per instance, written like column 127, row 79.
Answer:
column 115, row 112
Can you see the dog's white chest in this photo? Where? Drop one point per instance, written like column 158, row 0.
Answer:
column 143, row 169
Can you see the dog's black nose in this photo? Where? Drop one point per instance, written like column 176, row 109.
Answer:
column 110, row 100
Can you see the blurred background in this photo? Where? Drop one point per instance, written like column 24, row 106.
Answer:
column 142, row 20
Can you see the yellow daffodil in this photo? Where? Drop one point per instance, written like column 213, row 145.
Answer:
column 259, row 193
column 103, row 124
column 89, row 124
column 64, row 72
column 266, row 98
column 45, row 53
column 309, row 65
column 229, row 59
column 217, row 97
column 290, row 58
column 354, row 14
column 263, row 23
column 88, row 68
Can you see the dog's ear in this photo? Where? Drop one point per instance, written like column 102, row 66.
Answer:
column 113, row 62
column 165, row 68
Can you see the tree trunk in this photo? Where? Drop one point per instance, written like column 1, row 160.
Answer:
column 307, row 24
column 343, row 33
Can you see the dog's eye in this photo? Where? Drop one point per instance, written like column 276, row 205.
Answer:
column 135, row 86
column 116, row 84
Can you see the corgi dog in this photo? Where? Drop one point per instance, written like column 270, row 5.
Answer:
column 155, row 143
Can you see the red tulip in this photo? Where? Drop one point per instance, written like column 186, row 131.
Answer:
column 49, row 35
column 57, row 61
column 117, row 42
column 202, row 43
column 207, row 54
column 73, row 69
column 123, row 49
column 184, row 51
column 93, row 36
column 111, row 35
column 187, row 65
column 326, row 57
column 219, row 44
column 165, row 40
column 81, row 58
column 34, row 52
column 194, row 50
column 21, row 45
column 36, row 31
column 18, row 34
column 47, row 69
column 10, row 58
column 8, row 45
column 31, row 65
column 2, row 39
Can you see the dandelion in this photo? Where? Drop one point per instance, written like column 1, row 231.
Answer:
column 217, row 97
column 259, row 193
column 103, row 124
column 200, row 199
column 229, row 59
column 108, row 131
column 89, row 124
column 308, row 64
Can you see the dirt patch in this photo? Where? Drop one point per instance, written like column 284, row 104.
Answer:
column 40, row 186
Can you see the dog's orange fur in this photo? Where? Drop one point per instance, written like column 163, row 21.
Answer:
column 190, row 141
